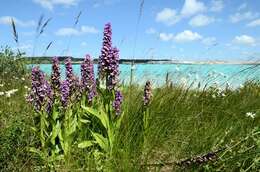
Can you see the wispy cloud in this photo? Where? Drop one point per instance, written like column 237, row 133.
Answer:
column 209, row 41
column 244, row 39
column 6, row 20
column 242, row 7
column 68, row 31
column 237, row 17
column 254, row 23
column 201, row 20
column 216, row 5
column 49, row 4
column 99, row 3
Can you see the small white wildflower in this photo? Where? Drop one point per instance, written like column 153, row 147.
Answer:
column 26, row 87
column 228, row 85
column 1, row 85
column 14, row 90
column 213, row 96
column 2, row 93
column 8, row 94
column 23, row 79
column 250, row 114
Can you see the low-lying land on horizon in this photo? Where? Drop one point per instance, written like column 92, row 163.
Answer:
column 47, row 60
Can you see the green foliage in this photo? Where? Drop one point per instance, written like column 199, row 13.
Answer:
column 11, row 64
column 182, row 123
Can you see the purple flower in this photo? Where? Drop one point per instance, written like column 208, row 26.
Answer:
column 117, row 102
column 49, row 94
column 113, row 69
column 104, row 59
column 87, row 78
column 69, row 71
column 41, row 92
column 147, row 93
column 70, row 76
column 65, row 91
column 55, row 76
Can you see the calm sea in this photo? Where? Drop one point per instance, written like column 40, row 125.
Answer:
column 218, row 74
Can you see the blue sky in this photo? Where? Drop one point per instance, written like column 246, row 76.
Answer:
column 197, row 30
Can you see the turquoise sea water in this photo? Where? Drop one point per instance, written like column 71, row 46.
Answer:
column 185, row 74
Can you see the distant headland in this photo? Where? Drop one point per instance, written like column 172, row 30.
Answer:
column 47, row 60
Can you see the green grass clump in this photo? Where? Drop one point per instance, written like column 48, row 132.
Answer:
column 183, row 124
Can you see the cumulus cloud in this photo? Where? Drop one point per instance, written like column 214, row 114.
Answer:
column 150, row 31
column 254, row 23
column 166, row 36
column 237, row 17
column 7, row 21
column 216, row 5
column 192, row 7
column 201, row 20
column 68, row 31
column 167, row 16
column 49, row 4
column 244, row 39
column 187, row 36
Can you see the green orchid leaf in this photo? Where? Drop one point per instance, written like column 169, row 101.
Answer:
column 85, row 121
column 101, row 141
column 101, row 115
column 85, row 144
column 55, row 132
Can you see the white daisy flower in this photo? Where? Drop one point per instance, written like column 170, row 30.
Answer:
column 250, row 114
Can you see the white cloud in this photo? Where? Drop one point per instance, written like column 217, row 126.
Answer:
column 187, row 36
column 244, row 39
column 49, row 4
column 209, row 41
column 254, row 23
column 150, row 31
column 167, row 16
column 192, row 7
column 68, row 31
column 88, row 29
column 99, row 3
column 7, row 21
column 216, row 5
column 237, row 17
column 201, row 20
column 166, row 37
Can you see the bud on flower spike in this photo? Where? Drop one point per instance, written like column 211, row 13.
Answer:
column 55, row 76
column 147, row 93
column 117, row 102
